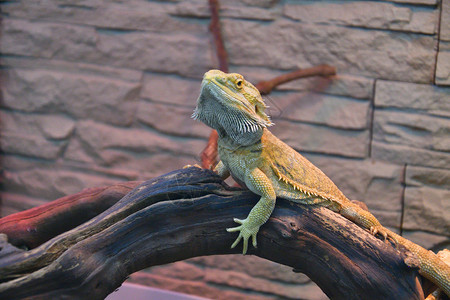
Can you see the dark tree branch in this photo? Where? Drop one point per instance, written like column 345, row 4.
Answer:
column 265, row 87
column 184, row 214
column 209, row 154
column 30, row 228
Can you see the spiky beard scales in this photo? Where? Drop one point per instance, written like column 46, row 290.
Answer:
column 230, row 122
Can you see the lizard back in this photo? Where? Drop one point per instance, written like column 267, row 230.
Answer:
column 296, row 171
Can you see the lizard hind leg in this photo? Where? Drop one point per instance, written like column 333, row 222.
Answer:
column 364, row 218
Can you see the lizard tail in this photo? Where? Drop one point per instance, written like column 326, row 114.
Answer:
column 431, row 266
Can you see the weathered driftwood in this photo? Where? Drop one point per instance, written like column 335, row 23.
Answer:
column 184, row 214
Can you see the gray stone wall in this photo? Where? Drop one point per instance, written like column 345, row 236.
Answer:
column 95, row 92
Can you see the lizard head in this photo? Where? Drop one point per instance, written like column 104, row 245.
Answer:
column 232, row 106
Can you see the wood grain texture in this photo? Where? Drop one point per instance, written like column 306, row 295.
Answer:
column 32, row 227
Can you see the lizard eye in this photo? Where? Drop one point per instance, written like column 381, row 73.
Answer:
column 239, row 83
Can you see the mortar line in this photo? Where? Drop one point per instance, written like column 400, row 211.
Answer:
column 402, row 198
column 438, row 35
column 371, row 118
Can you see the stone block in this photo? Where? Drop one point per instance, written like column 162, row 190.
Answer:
column 416, row 130
column 340, row 85
column 444, row 34
column 141, row 15
column 375, row 183
column 82, row 96
column 193, row 287
column 81, row 3
column 233, row 275
column 333, row 111
column 14, row 163
column 30, row 145
column 47, row 40
column 428, row 240
column 227, row 10
column 130, row 15
column 155, row 164
column 76, row 152
column 418, row 2
column 245, row 264
column 121, row 74
column 39, row 136
column 180, row 269
column 321, row 139
column 171, row 89
column 399, row 154
column 20, row 163
column 261, row 3
column 365, row 14
column 443, row 68
column 56, row 127
column 426, row 200
column 131, row 149
column 427, row 209
column 432, row 177
column 285, row 44
column 50, row 183
column 423, row 97
column 171, row 119
column 180, row 53
column 26, row 124
column 245, row 282
column 239, row 278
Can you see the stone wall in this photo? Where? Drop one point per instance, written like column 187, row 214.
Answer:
column 96, row 92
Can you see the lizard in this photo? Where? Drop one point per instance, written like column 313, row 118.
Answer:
column 257, row 159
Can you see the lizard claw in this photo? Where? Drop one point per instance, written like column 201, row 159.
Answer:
column 378, row 229
column 245, row 232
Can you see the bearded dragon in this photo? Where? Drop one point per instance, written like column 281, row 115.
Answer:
column 270, row 168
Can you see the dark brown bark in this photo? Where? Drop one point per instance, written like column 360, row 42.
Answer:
column 184, row 214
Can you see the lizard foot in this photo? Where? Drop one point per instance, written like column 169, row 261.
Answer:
column 245, row 232
column 379, row 229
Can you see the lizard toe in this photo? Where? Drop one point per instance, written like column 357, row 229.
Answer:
column 245, row 232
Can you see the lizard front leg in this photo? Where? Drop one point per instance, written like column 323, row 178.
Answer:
column 258, row 183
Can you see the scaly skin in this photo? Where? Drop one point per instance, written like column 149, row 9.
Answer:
column 270, row 168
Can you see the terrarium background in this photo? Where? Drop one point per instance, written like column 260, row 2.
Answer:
column 97, row 92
